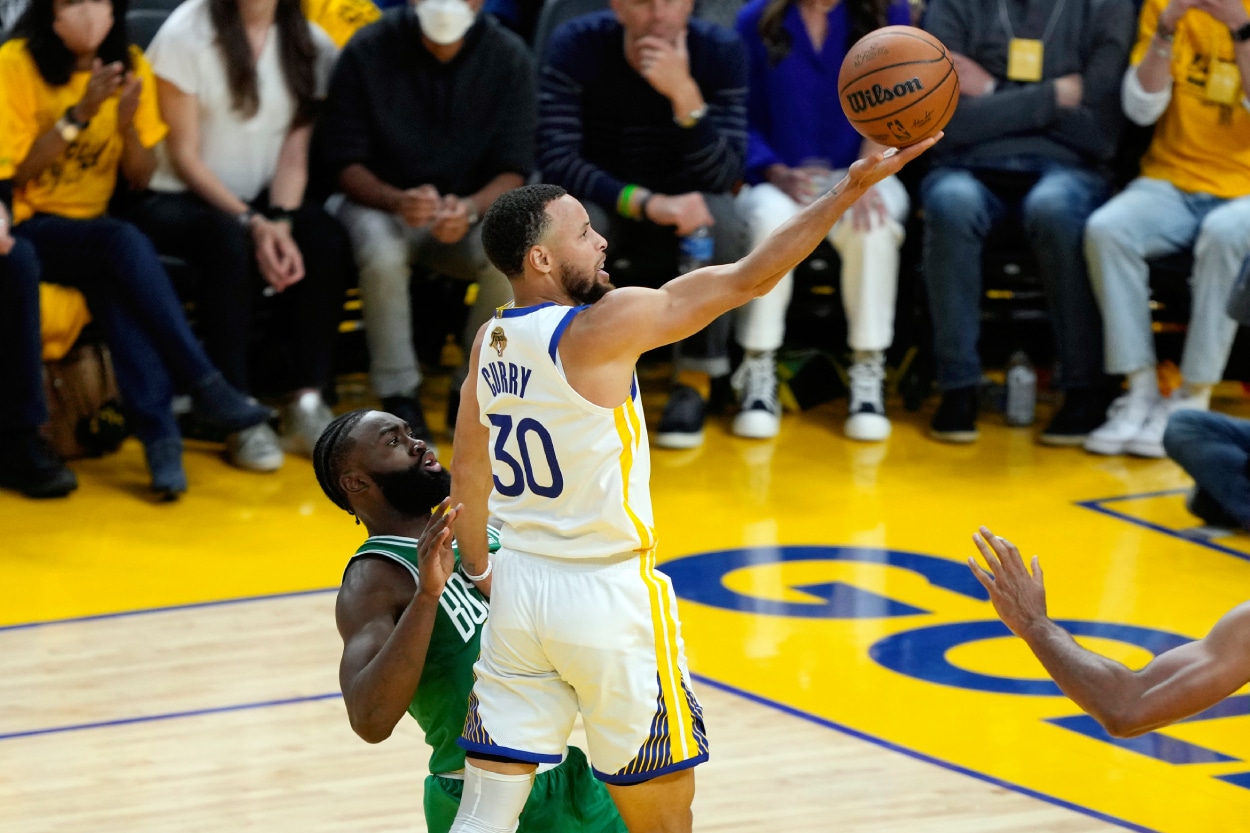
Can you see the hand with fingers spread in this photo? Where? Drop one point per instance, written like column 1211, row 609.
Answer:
column 436, row 560
column 1019, row 597
column 875, row 167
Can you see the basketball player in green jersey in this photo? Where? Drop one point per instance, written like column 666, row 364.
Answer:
column 411, row 623
column 1174, row 685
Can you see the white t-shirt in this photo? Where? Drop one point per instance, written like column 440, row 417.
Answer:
column 242, row 152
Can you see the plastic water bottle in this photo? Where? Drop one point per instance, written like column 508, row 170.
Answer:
column 1021, row 390
column 697, row 249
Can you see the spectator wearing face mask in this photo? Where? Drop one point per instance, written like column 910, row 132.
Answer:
column 429, row 118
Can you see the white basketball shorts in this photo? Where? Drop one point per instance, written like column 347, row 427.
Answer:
column 599, row 636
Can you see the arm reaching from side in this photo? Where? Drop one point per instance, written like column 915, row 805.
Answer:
column 1174, row 685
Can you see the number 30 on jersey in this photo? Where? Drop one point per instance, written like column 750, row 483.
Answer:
column 519, row 450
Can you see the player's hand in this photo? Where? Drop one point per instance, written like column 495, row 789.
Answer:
column 685, row 212
column 6, row 232
column 665, row 66
column 128, row 101
column 875, row 167
column 451, row 221
column 418, row 206
column 105, row 80
column 1069, row 90
column 869, row 211
column 435, row 558
column 974, row 79
column 1019, row 597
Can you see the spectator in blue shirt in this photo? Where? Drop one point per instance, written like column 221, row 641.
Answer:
column 800, row 143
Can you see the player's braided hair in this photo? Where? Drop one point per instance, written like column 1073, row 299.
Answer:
column 514, row 223
column 330, row 455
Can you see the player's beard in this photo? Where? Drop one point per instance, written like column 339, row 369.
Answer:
column 583, row 285
column 416, row 490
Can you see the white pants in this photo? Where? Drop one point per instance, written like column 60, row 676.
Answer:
column 869, row 269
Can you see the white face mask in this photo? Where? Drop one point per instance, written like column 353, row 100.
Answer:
column 445, row 21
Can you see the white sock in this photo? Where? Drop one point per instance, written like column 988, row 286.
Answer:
column 1199, row 392
column 492, row 802
column 1143, row 384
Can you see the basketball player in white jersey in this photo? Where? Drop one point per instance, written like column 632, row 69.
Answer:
column 551, row 442
column 1174, row 685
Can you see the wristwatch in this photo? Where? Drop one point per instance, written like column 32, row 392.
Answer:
column 245, row 217
column 1242, row 33
column 68, row 127
column 692, row 118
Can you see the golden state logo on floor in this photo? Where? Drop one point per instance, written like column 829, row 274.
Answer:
column 904, row 649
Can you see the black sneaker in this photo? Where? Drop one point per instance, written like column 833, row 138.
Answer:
column 408, row 408
column 956, row 418
column 29, row 465
column 681, row 426
column 1201, row 505
column 1082, row 411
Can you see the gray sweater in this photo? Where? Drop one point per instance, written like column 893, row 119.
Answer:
column 1021, row 119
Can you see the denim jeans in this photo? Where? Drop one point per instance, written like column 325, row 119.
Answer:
column 117, row 269
column 22, row 404
column 1215, row 450
column 960, row 212
column 1150, row 218
column 229, row 289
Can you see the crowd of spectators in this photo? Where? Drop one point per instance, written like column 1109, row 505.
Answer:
column 245, row 115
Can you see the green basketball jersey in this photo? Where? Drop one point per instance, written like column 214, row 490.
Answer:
column 442, row 697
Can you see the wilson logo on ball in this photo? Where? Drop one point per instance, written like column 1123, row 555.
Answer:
column 863, row 100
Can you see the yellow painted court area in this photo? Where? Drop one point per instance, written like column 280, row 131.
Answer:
column 818, row 578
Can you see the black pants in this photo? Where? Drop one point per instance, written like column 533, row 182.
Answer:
column 230, row 285
column 22, row 405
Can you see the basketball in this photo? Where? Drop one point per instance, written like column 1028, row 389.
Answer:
column 898, row 85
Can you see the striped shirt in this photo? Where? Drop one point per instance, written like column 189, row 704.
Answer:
column 602, row 126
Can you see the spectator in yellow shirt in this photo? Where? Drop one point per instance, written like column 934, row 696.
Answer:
column 78, row 103
column 1189, row 72
column 341, row 18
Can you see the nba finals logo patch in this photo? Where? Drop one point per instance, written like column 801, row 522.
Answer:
column 498, row 340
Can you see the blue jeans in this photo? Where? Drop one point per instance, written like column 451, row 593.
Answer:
column 1149, row 218
column 117, row 269
column 960, row 212
column 22, row 405
column 1215, row 450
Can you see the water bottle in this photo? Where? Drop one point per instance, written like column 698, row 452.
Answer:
column 696, row 250
column 1021, row 390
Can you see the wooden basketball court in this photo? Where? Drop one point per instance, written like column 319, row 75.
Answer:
column 173, row 667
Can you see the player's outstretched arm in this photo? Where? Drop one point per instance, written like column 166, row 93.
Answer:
column 638, row 320
column 383, row 657
column 1173, row 686
column 472, row 476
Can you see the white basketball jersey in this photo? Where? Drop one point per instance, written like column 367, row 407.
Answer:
column 572, row 479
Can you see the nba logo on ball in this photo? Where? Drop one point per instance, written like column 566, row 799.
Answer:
column 898, row 86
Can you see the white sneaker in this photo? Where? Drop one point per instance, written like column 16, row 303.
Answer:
column 303, row 421
column 1125, row 419
column 254, row 449
column 756, row 383
column 1148, row 442
column 867, row 421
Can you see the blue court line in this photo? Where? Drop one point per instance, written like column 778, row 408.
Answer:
column 143, row 611
column 919, row 756
column 1098, row 506
column 151, row 718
